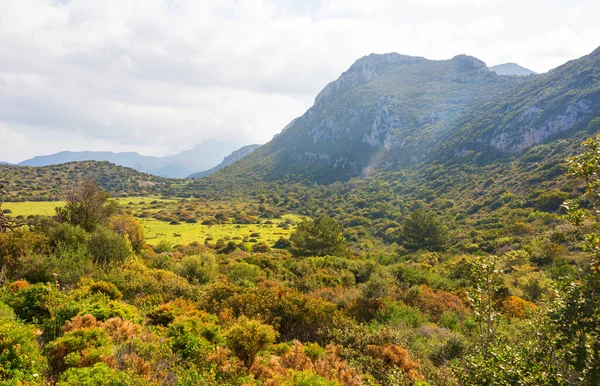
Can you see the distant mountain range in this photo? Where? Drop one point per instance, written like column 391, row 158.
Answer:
column 230, row 159
column 198, row 159
column 512, row 69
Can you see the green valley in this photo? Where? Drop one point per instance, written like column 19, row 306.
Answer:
column 425, row 222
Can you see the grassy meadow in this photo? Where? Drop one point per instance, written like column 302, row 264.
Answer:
column 182, row 233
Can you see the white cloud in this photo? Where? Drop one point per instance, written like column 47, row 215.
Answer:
column 161, row 75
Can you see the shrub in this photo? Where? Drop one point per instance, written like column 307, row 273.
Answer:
column 261, row 247
column 20, row 358
column 69, row 237
column 127, row 225
column 515, row 307
column 30, row 302
column 105, row 246
column 78, row 348
column 107, row 289
column 163, row 246
column 550, row 201
column 245, row 274
column 247, row 337
column 198, row 268
column 100, row 375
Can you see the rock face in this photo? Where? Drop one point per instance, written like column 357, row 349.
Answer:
column 530, row 133
column 552, row 105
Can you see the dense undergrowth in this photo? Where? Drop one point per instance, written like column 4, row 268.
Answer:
column 385, row 285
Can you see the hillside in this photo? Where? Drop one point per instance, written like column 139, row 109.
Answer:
column 201, row 157
column 230, row 159
column 26, row 183
column 389, row 112
column 512, row 69
column 558, row 103
column 383, row 105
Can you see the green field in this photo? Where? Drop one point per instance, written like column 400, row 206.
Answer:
column 156, row 231
column 41, row 208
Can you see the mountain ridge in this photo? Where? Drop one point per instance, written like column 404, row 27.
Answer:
column 201, row 157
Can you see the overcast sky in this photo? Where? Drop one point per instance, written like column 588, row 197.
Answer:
column 159, row 76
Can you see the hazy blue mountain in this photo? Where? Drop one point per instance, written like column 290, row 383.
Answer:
column 512, row 69
column 230, row 159
column 202, row 157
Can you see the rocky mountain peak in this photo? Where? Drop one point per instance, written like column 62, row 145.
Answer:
column 468, row 63
column 365, row 70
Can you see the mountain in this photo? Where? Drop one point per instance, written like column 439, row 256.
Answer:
column 231, row 158
column 202, row 157
column 382, row 107
column 512, row 69
column 389, row 112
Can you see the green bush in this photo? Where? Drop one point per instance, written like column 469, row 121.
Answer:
column 105, row 246
column 100, row 375
column 78, row 348
column 107, row 289
column 247, row 337
column 20, row 358
column 245, row 274
column 198, row 268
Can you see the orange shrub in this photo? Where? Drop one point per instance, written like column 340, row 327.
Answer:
column 435, row 304
column 515, row 307
column 394, row 355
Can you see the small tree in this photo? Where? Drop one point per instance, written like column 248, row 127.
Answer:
column 87, row 206
column 7, row 223
column 423, row 230
column 319, row 237
column 247, row 337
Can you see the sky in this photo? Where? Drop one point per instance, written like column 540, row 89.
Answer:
column 160, row 76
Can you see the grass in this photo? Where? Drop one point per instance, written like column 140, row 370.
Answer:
column 156, row 231
column 41, row 208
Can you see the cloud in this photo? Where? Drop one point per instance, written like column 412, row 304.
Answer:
column 162, row 75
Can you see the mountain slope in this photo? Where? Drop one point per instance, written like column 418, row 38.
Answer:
column 512, row 69
column 201, row 157
column 554, row 104
column 383, row 109
column 230, row 159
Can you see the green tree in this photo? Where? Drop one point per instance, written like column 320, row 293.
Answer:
column 424, row 230
column 319, row 237
column 87, row 206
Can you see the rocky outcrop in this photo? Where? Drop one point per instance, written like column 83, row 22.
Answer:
column 531, row 133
